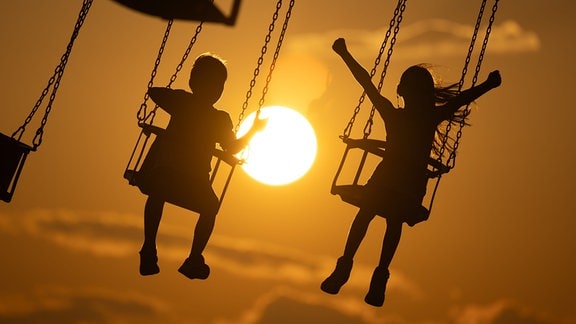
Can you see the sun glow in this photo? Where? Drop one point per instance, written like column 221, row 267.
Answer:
column 284, row 151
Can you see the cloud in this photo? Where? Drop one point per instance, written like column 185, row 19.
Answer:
column 425, row 39
column 498, row 312
column 58, row 305
column 112, row 234
column 289, row 305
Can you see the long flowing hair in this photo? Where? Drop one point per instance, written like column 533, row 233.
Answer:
column 444, row 138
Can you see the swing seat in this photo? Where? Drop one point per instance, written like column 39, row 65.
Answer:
column 389, row 205
column 378, row 147
column 13, row 155
column 194, row 10
column 147, row 129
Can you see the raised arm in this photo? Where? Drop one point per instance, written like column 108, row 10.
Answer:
column 362, row 76
column 468, row 96
column 235, row 145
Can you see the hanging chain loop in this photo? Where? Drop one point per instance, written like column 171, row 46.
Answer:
column 142, row 114
column 451, row 162
column 276, row 54
column 258, row 65
column 399, row 7
column 53, row 82
column 370, row 121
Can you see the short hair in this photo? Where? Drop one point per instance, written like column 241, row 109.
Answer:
column 208, row 67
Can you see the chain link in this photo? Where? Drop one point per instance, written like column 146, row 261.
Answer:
column 370, row 121
column 448, row 128
column 451, row 162
column 142, row 114
column 258, row 65
column 400, row 7
column 53, row 82
column 276, row 53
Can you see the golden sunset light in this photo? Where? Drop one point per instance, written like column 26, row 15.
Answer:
column 284, row 151
column 116, row 115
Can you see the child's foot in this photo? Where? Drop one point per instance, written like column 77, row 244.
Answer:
column 148, row 262
column 338, row 278
column 375, row 296
column 195, row 268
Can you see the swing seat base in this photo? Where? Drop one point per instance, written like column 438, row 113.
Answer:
column 12, row 158
column 388, row 204
column 193, row 10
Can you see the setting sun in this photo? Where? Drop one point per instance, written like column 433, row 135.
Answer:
column 284, row 151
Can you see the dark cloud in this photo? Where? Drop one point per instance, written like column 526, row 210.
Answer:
column 500, row 312
column 288, row 311
column 59, row 306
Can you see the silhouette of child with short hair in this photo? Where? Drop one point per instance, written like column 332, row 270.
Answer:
column 177, row 167
column 400, row 179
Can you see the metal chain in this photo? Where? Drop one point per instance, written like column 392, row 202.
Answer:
column 452, row 158
column 186, row 54
column 451, row 162
column 53, row 82
column 463, row 76
column 179, row 67
column 142, row 114
column 276, row 53
column 258, row 65
column 370, row 121
column 348, row 128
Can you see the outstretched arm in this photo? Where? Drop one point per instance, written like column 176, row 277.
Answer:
column 235, row 145
column 362, row 76
column 468, row 96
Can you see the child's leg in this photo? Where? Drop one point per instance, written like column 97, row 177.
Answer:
column 390, row 242
column 152, row 216
column 380, row 276
column 194, row 267
column 341, row 273
column 357, row 232
column 202, row 233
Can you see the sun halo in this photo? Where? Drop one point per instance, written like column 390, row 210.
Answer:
column 284, row 151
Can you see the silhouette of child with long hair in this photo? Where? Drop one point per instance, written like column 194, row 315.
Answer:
column 177, row 167
column 399, row 181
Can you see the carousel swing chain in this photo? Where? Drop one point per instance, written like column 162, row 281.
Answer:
column 451, row 162
column 276, row 54
column 400, row 7
column 142, row 114
column 53, row 82
column 370, row 121
column 259, row 63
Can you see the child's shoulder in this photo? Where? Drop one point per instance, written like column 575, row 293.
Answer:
column 166, row 97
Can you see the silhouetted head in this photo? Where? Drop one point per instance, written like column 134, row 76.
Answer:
column 207, row 77
column 416, row 83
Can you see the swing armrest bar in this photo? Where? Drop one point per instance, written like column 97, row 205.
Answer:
column 377, row 147
column 438, row 168
column 373, row 146
column 226, row 157
column 151, row 129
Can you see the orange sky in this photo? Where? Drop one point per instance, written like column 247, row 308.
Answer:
column 499, row 245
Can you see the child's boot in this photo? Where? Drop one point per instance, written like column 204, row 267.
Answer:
column 375, row 296
column 194, row 267
column 148, row 262
column 338, row 278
